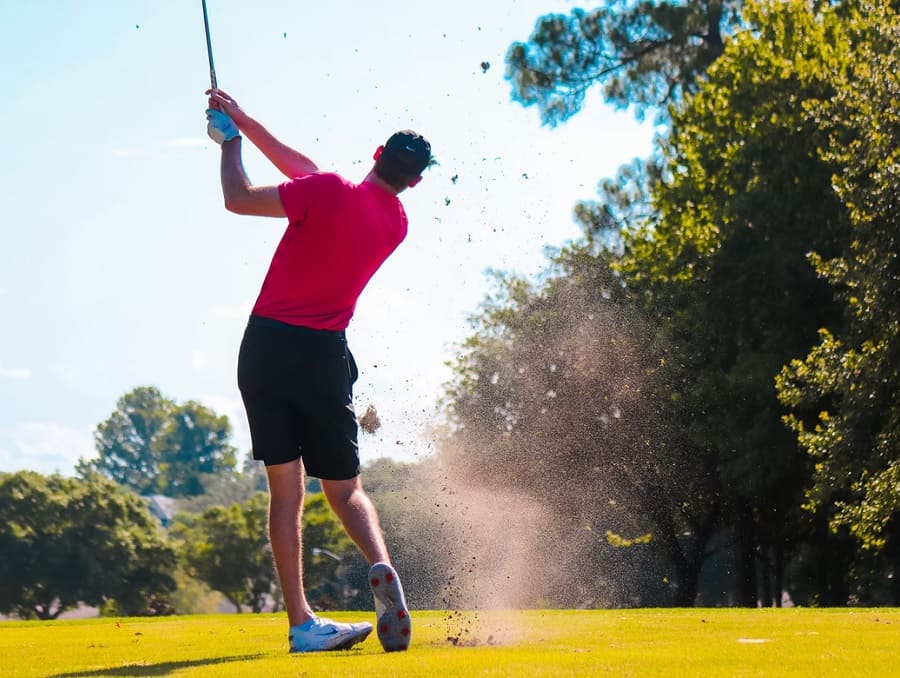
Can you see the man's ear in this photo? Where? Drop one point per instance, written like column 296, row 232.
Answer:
column 378, row 152
column 414, row 181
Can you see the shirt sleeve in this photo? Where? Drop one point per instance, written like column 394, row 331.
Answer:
column 302, row 197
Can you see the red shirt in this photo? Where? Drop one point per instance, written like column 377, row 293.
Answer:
column 338, row 236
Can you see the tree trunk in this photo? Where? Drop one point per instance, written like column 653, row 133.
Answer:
column 714, row 30
column 745, row 560
column 779, row 573
column 894, row 546
column 764, row 567
column 833, row 559
column 688, row 575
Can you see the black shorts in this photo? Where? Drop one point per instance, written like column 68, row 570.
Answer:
column 297, row 387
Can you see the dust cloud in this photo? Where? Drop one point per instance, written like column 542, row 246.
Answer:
column 557, row 458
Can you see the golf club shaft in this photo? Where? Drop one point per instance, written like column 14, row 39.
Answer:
column 212, row 68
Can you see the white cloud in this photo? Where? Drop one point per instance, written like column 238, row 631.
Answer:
column 45, row 447
column 15, row 373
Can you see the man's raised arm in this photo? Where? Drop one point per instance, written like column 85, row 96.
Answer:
column 289, row 162
column 241, row 196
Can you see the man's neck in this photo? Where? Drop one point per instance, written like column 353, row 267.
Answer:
column 373, row 178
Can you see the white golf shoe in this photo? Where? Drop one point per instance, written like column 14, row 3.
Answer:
column 394, row 624
column 320, row 634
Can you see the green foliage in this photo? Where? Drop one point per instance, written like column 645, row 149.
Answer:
column 227, row 548
column 623, row 205
column 128, row 440
column 645, row 54
column 844, row 395
column 226, row 488
column 555, row 396
column 768, row 213
column 326, row 578
column 195, row 443
column 155, row 446
column 66, row 541
column 743, row 196
column 192, row 596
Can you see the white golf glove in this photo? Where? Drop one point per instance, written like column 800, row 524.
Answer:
column 221, row 127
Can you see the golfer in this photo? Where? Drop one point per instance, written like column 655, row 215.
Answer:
column 295, row 371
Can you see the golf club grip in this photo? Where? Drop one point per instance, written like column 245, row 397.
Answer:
column 212, row 68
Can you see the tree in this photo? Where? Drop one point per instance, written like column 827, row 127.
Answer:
column 155, row 446
column 645, row 54
column 227, row 548
column 66, row 541
column 555, row 395
column 330, row 559
column 224, row 489
column 715, row 234
column 128, row 441
column 194, row 444
column 844, row 396
column 743, row 197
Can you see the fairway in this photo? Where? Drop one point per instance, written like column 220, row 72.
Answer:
column 671, row 642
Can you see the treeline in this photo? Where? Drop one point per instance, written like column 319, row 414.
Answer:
column 67, row 542
column 707, row 381
column 111, row 538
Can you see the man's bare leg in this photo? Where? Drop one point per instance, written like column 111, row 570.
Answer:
column 357, row 513
column 358, row 516
column 285, row 513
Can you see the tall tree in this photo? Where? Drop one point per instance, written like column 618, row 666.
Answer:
column 556, row 395
column 715, row 232
column 194, row 444
column 645, row 54
column 66, row 541
column 128, row 441
column 743, row 197
column 156, row 446
column 845, row 394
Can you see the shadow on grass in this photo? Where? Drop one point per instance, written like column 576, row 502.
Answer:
column 162, row 669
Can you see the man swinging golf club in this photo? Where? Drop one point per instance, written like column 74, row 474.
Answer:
column 295, row 371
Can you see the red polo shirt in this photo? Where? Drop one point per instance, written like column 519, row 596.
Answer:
column 339, row 233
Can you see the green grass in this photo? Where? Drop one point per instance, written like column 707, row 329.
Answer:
column 707, row 642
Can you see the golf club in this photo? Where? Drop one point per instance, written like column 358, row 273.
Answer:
column 212, row 68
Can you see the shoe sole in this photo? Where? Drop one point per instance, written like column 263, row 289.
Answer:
column 394, row 624
column 353, row 640
column 345, row 644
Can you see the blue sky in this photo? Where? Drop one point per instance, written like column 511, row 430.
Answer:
column 119, row 266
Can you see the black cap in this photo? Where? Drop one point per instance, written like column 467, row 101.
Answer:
column 408, row 151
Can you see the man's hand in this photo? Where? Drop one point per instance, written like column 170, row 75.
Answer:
column 222, row 101
column 220, row 127
column 291, row 163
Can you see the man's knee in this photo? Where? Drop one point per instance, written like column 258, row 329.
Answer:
column 341, row 491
